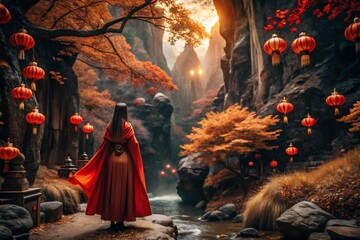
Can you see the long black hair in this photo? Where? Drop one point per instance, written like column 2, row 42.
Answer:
column 120, row 115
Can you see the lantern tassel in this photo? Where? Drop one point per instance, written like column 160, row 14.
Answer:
column 286, row 119
column 34, row 130
column 22, row 105
column 291, row 159
column 309, row 131
column 357, row 47
column 76, row 128
column 33, row 86
column 337, row 112
column 275, row 59
column 6, row 167
column 305, row 60
column 21, row 55
column 87, row 136
column 274, row 170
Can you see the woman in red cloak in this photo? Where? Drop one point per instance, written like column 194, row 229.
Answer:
column 114, row 178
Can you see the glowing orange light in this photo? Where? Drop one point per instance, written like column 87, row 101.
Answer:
column 192, row 72
column 173, row 171
column 162, row 173
column 168, row 166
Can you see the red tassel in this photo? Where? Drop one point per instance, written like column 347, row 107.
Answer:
column 6, row 167
column 76, row 128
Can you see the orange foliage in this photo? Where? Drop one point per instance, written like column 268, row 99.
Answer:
column 203, row 104
column 104, row 49
column 236, row 131
column 353, row 118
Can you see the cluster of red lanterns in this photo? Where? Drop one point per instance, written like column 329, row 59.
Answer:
column 7, row 153
column 304, row 45
column 169, row 169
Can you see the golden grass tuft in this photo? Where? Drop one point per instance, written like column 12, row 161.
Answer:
column 334, row 186
column 54, row 188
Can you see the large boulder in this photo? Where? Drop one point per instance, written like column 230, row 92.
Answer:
column 302, row 219
column 5, row 233
column 192, row 175
column 15, row 218
column 344, row 233
column 229, row 209
column 53, row 211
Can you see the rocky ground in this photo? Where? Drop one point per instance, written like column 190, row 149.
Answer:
column 80, row 226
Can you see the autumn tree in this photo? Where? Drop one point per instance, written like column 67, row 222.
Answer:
column 353, row 118
column 233, row 132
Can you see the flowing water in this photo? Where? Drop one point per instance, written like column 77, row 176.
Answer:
column 187, row 219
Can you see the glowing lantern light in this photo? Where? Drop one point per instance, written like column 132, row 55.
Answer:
column 5, row 16
column 352, row 33
column 274, row 47
column 273, row 164
column 285, row 107
column 257, row 155
column 308, row 122
column 335, row 100
column 33, row 72
column 168, row 166
column 162, row 173
column 22, row 93
column 22, row 41
column 304, row 45
column 173, row 171
column 87, row 128
column 76, row 120
column 251, row 164
column 7, row 153
column 35, row 118
column 291, row 151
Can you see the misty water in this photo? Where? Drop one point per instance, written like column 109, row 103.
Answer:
column 187, row 219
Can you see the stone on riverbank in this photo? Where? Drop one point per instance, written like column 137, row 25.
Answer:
column 5, row 233
column 53, row 211
column 15, row 218
column 302, row 219
column 344, row 233
column 228, row 209
column 216, row 216
column 248, row 232
column 342, row 222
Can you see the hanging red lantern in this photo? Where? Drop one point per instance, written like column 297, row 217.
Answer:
column 7, row 153
column 335, row 100
column 274, row 47
column 168, row 166
column 22, row 93
column 173, row 171
column 304, row 45
column 285, row 107
column 22, row 41
column 352, row 33
column 251, row 164
column 33, row 72
column 308, row 122
column 291, row 151
column 87, row 128
column 273, row 165
column 35, row 118
column 76, row 120
column 162, row 173
column 257, row 155
column 5, row 16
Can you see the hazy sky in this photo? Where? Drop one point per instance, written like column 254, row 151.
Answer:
column 207, row 16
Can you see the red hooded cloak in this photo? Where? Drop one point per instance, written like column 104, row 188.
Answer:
column 91, row 178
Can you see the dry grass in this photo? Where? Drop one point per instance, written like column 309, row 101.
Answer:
column 334, row 186
column 54, row 188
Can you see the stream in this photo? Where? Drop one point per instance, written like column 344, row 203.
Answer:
column 187, row 219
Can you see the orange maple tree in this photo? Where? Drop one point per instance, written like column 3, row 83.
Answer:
column 353, row 118
column 92, row 31
column 233, row 132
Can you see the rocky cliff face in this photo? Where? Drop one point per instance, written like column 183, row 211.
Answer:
column 249, row 78
column 213, row 76
column 187, row 74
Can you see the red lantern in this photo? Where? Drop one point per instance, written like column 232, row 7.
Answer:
column 274, row 47
column 33, row 72
column 87, row 128
column 291, row 151
column 22, row 93
column 76, row 120
column 251, row 164
column 168, row 166
column 285, row 107
column 162, row 173
column 5, row 16
column 35, row 118
column 173, row 171
column 22, row 41
column 273, row 165
column 257, row 155
column 308, row 122
column 335, row 100
column 352, row 33
column 7, row 153
column 303, row 45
